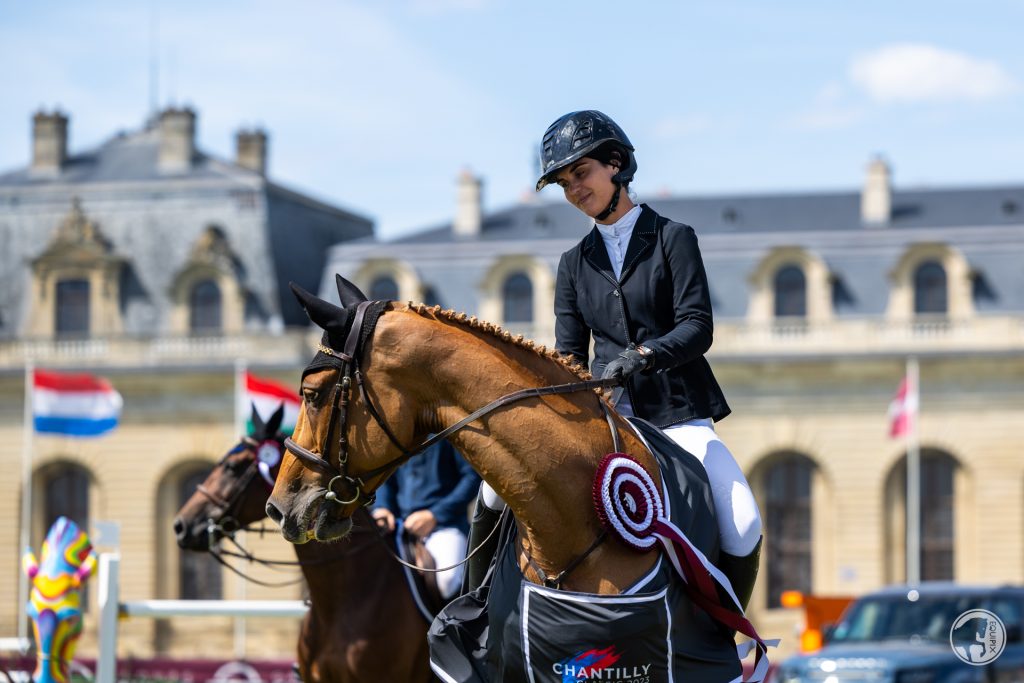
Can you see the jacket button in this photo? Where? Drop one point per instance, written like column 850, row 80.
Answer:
column 616, row 292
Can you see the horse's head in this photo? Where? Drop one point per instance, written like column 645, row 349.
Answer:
column 344, row 445
column 55, row 603
column 235, row 493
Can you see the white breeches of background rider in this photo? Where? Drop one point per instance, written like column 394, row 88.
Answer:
column 739, row 521
column 447, row 545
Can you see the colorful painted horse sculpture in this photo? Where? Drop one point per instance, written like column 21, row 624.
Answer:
column 388, row 375
column 55, row 601
column 363, row 624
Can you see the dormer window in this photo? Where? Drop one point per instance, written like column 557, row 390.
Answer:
column 71, row 309
column 207, row 293
column 384, row 288
column 790, row 292
column 517, row 299
column 930, row 290
column 205, row 314
column 76, row 282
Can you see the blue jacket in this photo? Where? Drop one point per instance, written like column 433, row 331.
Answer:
column 438, row 479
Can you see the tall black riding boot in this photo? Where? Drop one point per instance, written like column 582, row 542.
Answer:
column 483, row 523
column 741, row 571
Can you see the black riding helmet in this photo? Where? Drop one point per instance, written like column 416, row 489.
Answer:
column 580, row 134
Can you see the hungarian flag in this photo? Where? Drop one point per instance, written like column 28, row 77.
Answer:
column 73, row 404
column 903, row 409
column 268, row 395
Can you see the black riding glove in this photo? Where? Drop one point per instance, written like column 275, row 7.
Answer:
column 628, row 363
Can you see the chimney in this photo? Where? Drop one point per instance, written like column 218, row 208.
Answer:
column 49, row 143
column 177, row 139
column 251, row 150
column 876, row 200
column 469, row 208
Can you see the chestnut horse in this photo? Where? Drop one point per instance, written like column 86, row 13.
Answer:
column 424, row 369
column 362, row 624
column 388, row 375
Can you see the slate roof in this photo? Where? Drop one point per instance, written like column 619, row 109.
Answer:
column 766, row 213
column 127, row 157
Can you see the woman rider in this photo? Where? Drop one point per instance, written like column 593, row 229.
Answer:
column 636, row 283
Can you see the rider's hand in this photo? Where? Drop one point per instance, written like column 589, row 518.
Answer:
column 629, row 362
column 385, row 518
column 421, row 523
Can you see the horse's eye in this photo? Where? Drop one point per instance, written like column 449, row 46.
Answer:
column 312, row 396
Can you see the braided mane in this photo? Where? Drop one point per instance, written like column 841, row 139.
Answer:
column 518, row 340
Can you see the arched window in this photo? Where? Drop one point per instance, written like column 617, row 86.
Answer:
column 384, row 288
column 790, row 287
column 72, row 308
column 205, row 314
column 199, row 575
column 517, row 299
column 66, row 493
column 930, row 292
column 937, row 531
column 787, row 508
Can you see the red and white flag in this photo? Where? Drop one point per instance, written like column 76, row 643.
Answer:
column 903, row 409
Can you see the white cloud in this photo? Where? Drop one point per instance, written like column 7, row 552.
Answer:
column 913, row 72
column 672, row 127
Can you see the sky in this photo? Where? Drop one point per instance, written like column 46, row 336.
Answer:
column 378, row 105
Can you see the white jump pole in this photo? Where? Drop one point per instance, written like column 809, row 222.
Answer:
column 109, row 599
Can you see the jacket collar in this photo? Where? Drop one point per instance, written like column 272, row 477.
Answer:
column 642, row 240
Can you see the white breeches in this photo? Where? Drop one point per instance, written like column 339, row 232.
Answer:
column 447, row 545
column 739, row 521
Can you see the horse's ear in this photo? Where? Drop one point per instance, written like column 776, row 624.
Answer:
column 257, row 421
column 274, row 423
column 348, row 293
column 321, row 312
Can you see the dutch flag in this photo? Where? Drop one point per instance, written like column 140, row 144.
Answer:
column 74, row 404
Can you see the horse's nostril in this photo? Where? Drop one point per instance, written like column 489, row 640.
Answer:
column 275, row 515
column 179, row 528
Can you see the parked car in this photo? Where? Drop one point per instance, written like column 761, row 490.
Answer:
column 905, row 634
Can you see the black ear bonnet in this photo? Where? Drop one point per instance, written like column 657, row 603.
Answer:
column 334, row 338
column 336, row 322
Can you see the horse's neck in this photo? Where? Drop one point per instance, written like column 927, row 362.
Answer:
column 540, row 455
column 338, row 574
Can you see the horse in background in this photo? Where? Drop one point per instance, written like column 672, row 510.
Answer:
column 55, row 601
column 363, row 624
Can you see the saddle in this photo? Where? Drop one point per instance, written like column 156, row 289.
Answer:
column 422, row 584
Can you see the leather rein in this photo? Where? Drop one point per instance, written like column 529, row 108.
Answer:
column 348, row 364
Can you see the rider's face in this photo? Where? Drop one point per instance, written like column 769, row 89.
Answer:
column 588, row 185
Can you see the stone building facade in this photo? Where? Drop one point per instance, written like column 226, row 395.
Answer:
column 162, row 268
column 819, row 301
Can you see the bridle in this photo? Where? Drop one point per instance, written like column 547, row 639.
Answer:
column 228, row 526
column 346, row 362
column 229, row 504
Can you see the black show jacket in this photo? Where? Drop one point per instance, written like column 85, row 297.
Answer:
column 661, row 301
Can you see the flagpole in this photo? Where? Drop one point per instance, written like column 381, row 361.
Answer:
column 913, row 475
column 26, row 499
column 241, row 370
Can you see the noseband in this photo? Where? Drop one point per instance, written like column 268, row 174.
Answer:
column 347, row 362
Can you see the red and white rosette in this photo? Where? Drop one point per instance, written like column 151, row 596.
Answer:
column 629, row 504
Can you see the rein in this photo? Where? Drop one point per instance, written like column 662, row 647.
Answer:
column 347, row 363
